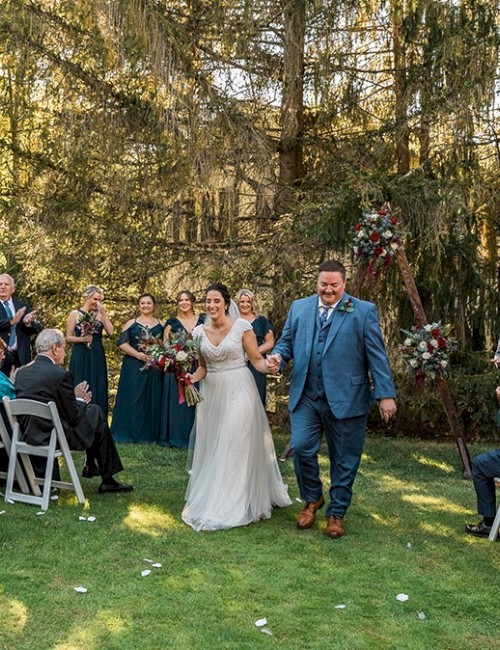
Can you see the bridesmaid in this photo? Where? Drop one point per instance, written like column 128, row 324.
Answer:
column 88, row 361
column 177, row 419
column 136, row 416
column 248, row 307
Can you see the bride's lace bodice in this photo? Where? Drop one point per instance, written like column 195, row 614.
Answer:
column 229, row 354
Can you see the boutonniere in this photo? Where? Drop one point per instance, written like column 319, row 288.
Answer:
column 346, row 307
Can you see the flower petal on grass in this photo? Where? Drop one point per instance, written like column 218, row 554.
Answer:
column 261, row 622
column 41, row 512
column 91, row 518
column 145, row 573
column 402, row 598
column 2, row 512
column 421, row 616
column 81, row 590
column 54, row 498
column 409, row 545
column 157, row 565
column 146, row 560
column 266, row 630
column 82, row 518
column 339, row 607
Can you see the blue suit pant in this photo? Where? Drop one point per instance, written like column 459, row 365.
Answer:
column 345, row 439
column 484, row 468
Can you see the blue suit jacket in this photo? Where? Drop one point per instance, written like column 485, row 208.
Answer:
column 355, row 366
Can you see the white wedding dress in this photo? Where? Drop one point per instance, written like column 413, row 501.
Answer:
column 234, row 477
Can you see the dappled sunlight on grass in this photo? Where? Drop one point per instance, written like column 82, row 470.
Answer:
column 393, row 483
column 13, row 616
column 438, row 529
column 99, row 629
column 431, row 462
column 149, row 520
column 435, row 503
column 379, row 519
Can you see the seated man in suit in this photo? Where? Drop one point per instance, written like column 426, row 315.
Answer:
column 485, row 468
column 17, row 325
column 45, row 380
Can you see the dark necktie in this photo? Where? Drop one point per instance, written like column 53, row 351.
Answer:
column 12, row 337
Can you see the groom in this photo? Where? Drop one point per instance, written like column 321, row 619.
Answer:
column 340, row 368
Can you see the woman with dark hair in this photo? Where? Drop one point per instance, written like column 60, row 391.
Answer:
column 177, row 419
column 84, row 330
column 234, row 477
column 248, row 307
column 136, row 416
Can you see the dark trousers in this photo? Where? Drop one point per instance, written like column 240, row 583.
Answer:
column 103, row 448
column 345, row 439
column 484, row 468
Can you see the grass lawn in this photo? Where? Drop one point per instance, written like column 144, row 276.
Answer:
column 404, row 535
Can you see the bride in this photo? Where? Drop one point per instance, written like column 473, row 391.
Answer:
column 234, row 477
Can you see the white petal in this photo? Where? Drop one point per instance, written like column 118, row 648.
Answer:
column 409, row 545
column 266, row 630
column 298, row 500
column 41, row 512
column 82, row 518
column 91, row 518
column 145, row 573
column 339, row 607
column 81, row 590
column 2, row 512
column 261, row 622
column 421, row 616
column 54, row 498
column 402, row 598
column 157, row 565
column 146, row 560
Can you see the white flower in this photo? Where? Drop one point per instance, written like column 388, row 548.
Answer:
column 434, row 343
column 387, row 234
column 181, row 356
column 428, row 328
column 444, row 363
column 408, row 343
column 394, row 246
column 361, row 234
column 422, row 345
column 413, row 363
column 426, row 356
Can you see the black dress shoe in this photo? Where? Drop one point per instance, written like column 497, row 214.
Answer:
column 115, row 487
column 90, row 472
column 479, row 530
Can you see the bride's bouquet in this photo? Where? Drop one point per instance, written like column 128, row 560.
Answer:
column 178, row 355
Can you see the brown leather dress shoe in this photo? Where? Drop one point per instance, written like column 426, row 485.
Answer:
column 307, row 515
column 335, row 527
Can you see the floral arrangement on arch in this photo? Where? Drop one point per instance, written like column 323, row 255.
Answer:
column 426, row 350
column 376, row 240
column 179, row 355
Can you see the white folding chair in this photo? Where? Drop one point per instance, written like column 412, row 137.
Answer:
column 496, row 523
column 57, row 446
column 5, row 443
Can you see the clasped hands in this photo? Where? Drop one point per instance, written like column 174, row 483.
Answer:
column 82, row 392
column 273, row 363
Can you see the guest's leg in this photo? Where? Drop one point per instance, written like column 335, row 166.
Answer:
column 306, row 441
column 103, row 448
column 484, row 468
column 345, row 440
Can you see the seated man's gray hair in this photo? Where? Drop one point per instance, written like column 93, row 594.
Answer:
column 47, row 338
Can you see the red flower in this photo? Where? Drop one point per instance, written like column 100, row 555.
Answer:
column 382, row 212
column 357, row 227
column 379, row 250
column 442, row 342
column 394, row 221
column 374, row 237
column 436, row 332
column 430, row 348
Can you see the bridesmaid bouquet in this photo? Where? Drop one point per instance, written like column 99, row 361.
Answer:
column 88, row 323
column 179, row 356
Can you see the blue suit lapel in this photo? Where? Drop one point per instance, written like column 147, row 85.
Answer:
column 310, row 324
column 339, row 318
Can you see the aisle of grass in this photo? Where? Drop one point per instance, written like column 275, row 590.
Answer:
column 404, row 535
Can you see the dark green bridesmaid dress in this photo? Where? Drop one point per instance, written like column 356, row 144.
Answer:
column 136, row 416
column 89, row 364
column 261, row 326
column 176, row 419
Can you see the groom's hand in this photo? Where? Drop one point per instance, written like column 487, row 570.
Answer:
column 387, row 408
column 273, row 363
